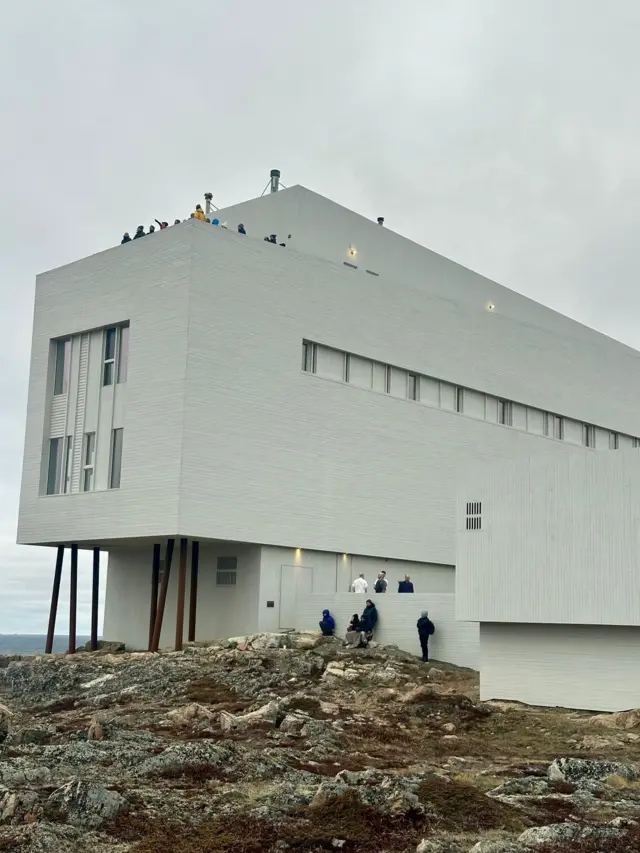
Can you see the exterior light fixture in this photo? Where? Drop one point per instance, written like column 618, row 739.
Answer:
column 353, row 251
column 491, row 306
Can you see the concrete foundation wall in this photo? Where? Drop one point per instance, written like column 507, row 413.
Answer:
column 573, row 666
column 453, row 642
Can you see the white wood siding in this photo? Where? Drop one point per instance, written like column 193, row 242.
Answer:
column 592, row 667
column 559, row 540
column 454, row 642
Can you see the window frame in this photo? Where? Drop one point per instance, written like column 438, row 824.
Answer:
column 54, row 473
column 68, row 465
column 117, row 441
column 109, row 361
column 614, row 440
column 589, row 435
column 88, row 467
column 227, row 571
column 122, row 350
column 387, row 379
column 413, row 386
column 62, row 367
column 553, row 426
column 458, row 399
column 505, row 412
column 346, row 370
column 309, row 357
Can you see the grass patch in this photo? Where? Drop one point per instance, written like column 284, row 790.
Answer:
column 462, row 807
column 620, row 783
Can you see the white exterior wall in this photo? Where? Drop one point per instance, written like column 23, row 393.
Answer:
column 558, row 544
column 591, row 667
column 454, row 642
column 223, row 611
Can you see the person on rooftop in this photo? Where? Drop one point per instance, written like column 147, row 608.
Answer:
column 177, row 222
column 199, row 213
column 162, row 225
column 152, row 229
column 139, row 232
column 125, row 238
column 241, row 229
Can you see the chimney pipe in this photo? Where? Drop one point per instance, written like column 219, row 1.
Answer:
column 381, row 220
column 275, row 180
column 208, row 198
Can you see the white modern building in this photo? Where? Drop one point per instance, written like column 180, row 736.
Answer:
column 548, row 563
column 287, row 416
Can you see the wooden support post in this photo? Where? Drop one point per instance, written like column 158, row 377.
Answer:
column 95, row 594
column 193, row 590
column 182, row 588
column 162, row 600
column 73, row 599
column 155, row 580
column 55, row 594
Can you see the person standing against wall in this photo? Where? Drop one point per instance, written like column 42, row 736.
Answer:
column 381, row 583
column 426, row 629
column 360, row 584
column 405, row 585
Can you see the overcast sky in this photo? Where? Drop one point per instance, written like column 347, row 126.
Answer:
column 502, row 133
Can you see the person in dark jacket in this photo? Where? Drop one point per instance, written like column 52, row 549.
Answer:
column 125, row 238
column 425, row 630
column 139, row 232
column 368, row 620
column 381, row 583
column 241, row 229
column 353, row 637
column 405, row 585
column 327, row 624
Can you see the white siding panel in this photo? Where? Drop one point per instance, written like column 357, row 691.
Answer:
column 602, row 439
column 360, row 372
column 519, row 416
column 330, row 364
column 398, row 383
column 492, row 409
column 379, row 377
column 58, row 418
column 429, row 391
column 572, row 431
column 474, row 404
column 453, row 642
column 590, row 667
column 447, row 396
column 535, row 421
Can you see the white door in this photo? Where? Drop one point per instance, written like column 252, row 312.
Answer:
column 294, row 580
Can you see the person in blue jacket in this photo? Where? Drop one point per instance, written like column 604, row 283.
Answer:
column 327, row 624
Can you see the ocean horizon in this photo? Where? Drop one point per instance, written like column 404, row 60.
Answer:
column 33, row 644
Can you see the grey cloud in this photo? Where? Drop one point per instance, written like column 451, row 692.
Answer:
column 501, row 134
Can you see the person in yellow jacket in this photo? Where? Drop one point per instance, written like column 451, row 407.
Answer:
column 199, row 213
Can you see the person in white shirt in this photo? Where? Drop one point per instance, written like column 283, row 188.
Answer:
column 359, row 584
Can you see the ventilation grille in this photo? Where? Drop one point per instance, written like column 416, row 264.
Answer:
column 474, row 515
column 226, row 571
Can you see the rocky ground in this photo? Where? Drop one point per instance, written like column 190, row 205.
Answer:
column 293, row 743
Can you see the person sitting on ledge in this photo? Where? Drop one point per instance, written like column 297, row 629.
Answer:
column 353, row 637
column 405, row 585
column 327, row 624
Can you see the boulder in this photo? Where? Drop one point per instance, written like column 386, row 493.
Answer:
column 95, row 731
column 421, row 693
column 267, row 714
column 5, row 722
column 293, row 724
column 188, row 714
column 554, row 833
column 85, row 804
column 619, row 720
column 16, row 805
column 581, row 770
column 494, row 845
column 111, row 647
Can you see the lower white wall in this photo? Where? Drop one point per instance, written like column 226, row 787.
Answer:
column 222, row 611
column 574, row 666
column 453, row 642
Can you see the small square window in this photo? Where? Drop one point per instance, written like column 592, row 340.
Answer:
column 226, row 571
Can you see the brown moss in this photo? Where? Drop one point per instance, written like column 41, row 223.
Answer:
column 463, row 808
column 208, row 691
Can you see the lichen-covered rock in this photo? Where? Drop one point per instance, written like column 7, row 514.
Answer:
column 620, row 720
column 85, row 804
column 268, row 714
column 579, row 770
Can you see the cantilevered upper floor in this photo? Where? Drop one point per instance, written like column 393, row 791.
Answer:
column 205, row 384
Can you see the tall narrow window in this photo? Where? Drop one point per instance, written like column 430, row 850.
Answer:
column 614, row 441
column 123, row 354
column 553, row 426
column 110, row 340
column 458, row 401
column 505, row 412
column 309, row 357
column 387, row 379
column 412, row 386
column 54, row 466
column 588, row 435
column 63, row 367
column 116, row 459
column 635, row 442
column 88, row 466
column 347, row 366
column 68, row 464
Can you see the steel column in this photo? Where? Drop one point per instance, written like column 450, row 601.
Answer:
column 55, row 594
column 182, row 588
column 162, row 600
column 193, row 591
column 155, row 580
column 95, row 593
column 73, row 599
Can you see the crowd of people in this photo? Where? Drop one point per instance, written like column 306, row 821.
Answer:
column 361, row 585
column 360, row 629
column 199, row 214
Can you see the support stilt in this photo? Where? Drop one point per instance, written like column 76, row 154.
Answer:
column 73, row 599
column 182, row 588
column 193, row 591
column 55, row 594
column 162, row 599
column 95, row 593
column 155, row 580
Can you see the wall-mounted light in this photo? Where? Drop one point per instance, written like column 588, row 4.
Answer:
column 298, row 552
column 352, row 251
column 344, row 556
column 491, row 306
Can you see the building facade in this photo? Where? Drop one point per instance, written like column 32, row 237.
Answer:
column 547, row 563
column 300, row 413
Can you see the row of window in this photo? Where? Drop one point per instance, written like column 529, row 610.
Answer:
column 115, row 359
column 60, row 464
column 365, row 373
